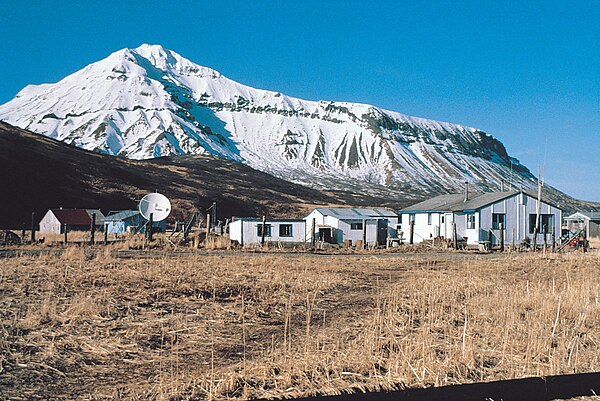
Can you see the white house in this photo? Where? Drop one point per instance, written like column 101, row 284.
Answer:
column 588, row 221
column 246, row 231
column 55, row 220
column 478, row 218
column 338, row 224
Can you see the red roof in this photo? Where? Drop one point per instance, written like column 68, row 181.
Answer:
column 72, row 217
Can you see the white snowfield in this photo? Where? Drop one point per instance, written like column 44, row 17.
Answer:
column 150, row 102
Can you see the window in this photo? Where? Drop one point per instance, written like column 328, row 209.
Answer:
column 470, row 220
column 285, row 230
column 356, row 226
column 428, row 219
column 267, row 229
column 545, row 220
column 443, row 220
column 497, row 219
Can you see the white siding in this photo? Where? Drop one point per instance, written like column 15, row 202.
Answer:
column 427, row 226
column 49, row 223
column 245, row 231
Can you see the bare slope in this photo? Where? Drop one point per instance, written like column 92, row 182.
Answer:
column 39, row 173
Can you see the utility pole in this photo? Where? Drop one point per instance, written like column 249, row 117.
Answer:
column 150, row 224
column 264, row 230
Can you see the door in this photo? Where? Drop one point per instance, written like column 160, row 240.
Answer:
column 448, row 219
column 382, row 231
column 325, row 234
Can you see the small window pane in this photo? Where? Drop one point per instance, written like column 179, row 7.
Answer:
column 285, row 230
column 471, row 220
column 497, row 219
column 267, row 230
column 356, row 226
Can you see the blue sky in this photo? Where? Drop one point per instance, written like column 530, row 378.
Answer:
column 526, row 72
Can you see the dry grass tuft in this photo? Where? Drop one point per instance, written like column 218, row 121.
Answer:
column 595, row 243
column 217, row 242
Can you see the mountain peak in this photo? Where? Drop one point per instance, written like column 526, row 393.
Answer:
column 149, row 101
column 157, row 55
column 146, row 47
column 164, row 59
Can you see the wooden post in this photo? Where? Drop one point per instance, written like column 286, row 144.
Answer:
column 545, row 232
column 33, row 227
column 23, row 232
column 364, row 237
column 512, row 247
column 105, row 235
column 501, row 237
column 65, row 230
column 92, row 228
column 411, row 225
column 553, row 242
column 454, row 236
column 264, row 230
column 149, row 227
column 207, row 226
column 214, row 214
column 314, row 234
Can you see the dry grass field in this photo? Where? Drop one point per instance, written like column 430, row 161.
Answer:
column 89, row 325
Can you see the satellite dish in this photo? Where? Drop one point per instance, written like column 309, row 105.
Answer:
column 157, row 204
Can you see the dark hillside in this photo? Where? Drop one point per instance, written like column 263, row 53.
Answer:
column 38, row 173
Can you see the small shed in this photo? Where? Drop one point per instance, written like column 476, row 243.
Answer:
column 337, row 225
column 588, row 221
column 248, row 230
column 55, row 221
column 120, row 221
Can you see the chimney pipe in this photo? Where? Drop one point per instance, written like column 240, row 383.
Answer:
column 466, row 191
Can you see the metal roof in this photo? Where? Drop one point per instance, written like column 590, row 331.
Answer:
column 588, row 215
column 267, row 220
column 72, row 217
column 455, row 202
column 118, row 215
column 347, row 213
column 98, row 213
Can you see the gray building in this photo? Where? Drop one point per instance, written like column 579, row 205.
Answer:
column 478, row 218
column 123, row 221
column 588, row 221
column 339, row 224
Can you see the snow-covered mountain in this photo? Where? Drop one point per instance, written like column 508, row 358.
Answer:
column 149, row 102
